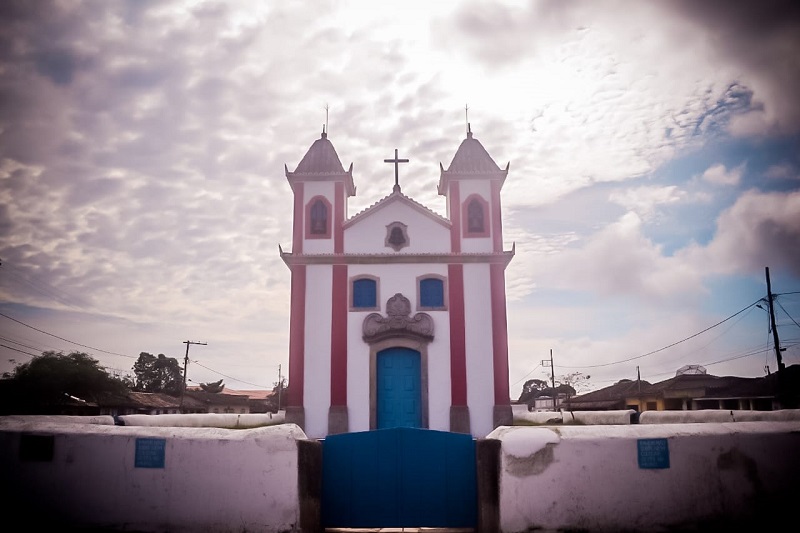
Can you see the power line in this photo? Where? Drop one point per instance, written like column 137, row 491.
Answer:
column 18, row 350
column 230, row 377
column 526, row 375
column 65, row 340
column 668, row 346
column 787, row 313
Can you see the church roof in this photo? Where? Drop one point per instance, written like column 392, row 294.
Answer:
column 471, row 161
column 395, row 197
column 321, row 162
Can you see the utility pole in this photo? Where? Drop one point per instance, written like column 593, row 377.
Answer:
column 777, row 342
column 778, row 350
column 185, row 364
column 549, row 363
column 280, row 387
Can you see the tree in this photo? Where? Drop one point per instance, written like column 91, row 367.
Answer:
column 50, row 382
column 158, row 374
column 576, row 382
column 215, row 387
column 280, row 395
column 531, row 389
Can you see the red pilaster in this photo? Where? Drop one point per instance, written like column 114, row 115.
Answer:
column 299, row 213
column 338, row 218
column 455, row 217
column 497, row 226
column 339, row 335
column 297, row 317
column 499, row 334
column 458, row 350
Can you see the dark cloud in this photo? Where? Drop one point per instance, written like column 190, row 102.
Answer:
column 762, row 37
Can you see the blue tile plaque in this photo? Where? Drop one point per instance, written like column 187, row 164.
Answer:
column 653, row 453
column 150, row 453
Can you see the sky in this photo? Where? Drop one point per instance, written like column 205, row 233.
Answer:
column 654, row 152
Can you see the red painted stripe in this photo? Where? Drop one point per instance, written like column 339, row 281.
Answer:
column 338, row 218
column 339, row 336
column 499, row 334
column 299, row 214
column 458, row 350
column 297, row 318
column 455, row 217
column 497, row 223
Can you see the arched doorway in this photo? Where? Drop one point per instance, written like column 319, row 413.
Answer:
column 399, row 388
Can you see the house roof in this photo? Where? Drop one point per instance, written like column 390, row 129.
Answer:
column 255, row 394
column 217, row 398
column 609, row 396
column 697, row 386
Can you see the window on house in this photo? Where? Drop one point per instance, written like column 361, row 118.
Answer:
column 365, row 293
column 475, row 216
column 319, row 218
column 431, row 293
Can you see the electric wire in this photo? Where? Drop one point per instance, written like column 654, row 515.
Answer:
column 229, row 377
column 665, row 347
column 787, row 314
column 66, row 340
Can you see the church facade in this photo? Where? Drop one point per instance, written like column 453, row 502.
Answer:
column 398, row 314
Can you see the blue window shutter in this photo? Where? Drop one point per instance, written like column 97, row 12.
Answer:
column 364, row 293
column 431, row 293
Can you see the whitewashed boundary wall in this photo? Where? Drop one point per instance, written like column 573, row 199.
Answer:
column 173, row 479
column 525, row 417
column 714, row 415
column 648, row 478
column 205, row 420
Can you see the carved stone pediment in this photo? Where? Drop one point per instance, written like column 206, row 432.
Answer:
column 398, row 322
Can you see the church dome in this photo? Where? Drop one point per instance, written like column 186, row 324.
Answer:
column 472, row 158
column 471, row 162
column 321, row 158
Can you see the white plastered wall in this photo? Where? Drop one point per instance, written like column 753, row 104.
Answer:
column 478, row 336
column 317, row 338
column 484, row 189
column 310, row 190
column 395, row 279
column 425, row 234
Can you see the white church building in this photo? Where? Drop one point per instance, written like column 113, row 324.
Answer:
column 398, row 314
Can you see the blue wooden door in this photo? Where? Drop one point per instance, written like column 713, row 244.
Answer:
column 400, row 477
column 399, row 391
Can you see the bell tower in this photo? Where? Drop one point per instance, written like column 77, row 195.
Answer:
column 472, row 186
column 321, row 188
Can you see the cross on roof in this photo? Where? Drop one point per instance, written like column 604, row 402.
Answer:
column 396, row 162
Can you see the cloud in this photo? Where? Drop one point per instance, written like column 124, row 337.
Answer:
column 763, row 40
column 719, row 175
column 783, row 171
column 645, row 200
column 620, row 261
column 760, row 229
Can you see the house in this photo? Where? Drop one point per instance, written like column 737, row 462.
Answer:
column 398, row 314
column 695, row 391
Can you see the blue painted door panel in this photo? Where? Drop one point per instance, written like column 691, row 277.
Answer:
column 399, row 391
column 400, row 477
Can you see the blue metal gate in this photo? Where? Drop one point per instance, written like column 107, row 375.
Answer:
column 399, row 477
